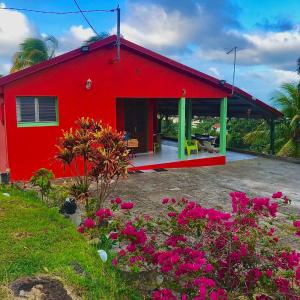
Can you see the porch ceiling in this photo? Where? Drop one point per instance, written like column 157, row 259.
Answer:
column 237, row 107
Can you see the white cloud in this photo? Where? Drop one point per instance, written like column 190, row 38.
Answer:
column 152, row 26
column 74, row 37
column 214, row 72
column 14, row 28
column 276, row 49
column 282, row 76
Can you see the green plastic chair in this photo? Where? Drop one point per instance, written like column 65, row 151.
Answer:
column 193, row 146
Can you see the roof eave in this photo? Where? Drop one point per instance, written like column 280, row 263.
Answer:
column 54, row 61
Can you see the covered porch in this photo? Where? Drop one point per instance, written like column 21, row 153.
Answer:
column 138, row 117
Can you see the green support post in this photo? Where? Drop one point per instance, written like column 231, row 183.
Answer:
column 181, row 127
column 272, row 137
column 223, row 121
column 189, row 116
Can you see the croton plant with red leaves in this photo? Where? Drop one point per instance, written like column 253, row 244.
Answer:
column 202, row 253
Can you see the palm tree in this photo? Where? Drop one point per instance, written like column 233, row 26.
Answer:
column 288, row 101
column 259, row 138
column 95, row 38
column 33, row 51
column 298, row 71
column 287, row 142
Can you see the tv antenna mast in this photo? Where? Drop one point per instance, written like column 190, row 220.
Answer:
column 234, row 49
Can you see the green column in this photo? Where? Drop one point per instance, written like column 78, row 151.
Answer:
column 272, row 137
column 189, row 116
column 181, row 127
column 223, row 121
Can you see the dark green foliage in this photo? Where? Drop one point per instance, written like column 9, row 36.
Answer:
column 42, row 179
column 239, row 128
column 95, row 38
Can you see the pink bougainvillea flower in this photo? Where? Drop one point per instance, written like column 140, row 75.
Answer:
column 89, row 223
column 277, row 195
column 104, row 213
column 203, row 281
column 269, row 273
column 122, row 252
column 80, row 229
column 172, row 214
column 113, row 235
column 127, row 205
column 163, row 294
column 283, row 285
column 297, row 274
column 131, row 247
column 115, row 261
column 208, row 268
column 243, row 250
column 273, row 209
column 296, row 223
column 165, row 200
column 118, row 200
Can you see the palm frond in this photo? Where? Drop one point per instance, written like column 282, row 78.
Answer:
column 33, row 51
column 95, row 38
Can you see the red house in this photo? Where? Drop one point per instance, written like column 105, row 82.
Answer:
column 38, row 102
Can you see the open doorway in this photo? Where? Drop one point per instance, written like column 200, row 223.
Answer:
column 136, row 122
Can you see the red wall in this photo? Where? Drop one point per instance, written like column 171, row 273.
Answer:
column 31, row 148
column 3, row 152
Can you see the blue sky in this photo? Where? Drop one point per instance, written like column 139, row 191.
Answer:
column 194, row 32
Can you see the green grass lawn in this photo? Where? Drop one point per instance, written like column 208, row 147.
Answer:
column 36, row 240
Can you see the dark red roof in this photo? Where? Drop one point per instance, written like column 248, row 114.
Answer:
column 145, row 52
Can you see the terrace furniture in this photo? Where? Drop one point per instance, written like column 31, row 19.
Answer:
column 156, row 142
column 193, row 146
column 209, row 147
column 132, row 144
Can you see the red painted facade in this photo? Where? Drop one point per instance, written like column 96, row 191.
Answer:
column 139, row 74
column 190, row 163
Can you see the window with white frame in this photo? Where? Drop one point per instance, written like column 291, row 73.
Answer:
column 37, row 111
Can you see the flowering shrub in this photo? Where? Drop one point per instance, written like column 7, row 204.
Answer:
column 93, row 152
column 202, row 253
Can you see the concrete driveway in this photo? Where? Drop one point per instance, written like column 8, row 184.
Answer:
column 210, row 186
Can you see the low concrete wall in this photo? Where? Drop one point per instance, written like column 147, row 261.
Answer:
column 270, row 156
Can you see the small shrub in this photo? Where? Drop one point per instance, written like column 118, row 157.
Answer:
column 42, row 179
column 203, row 253
column 58, row 195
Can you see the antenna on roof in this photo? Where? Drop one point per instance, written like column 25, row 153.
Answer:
column 118, row 31
column 234, row 63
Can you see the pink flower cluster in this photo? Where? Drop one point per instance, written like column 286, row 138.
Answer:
column 297, row 226
column 261, row 206
column 203, row 253
column 104, row 213
column 137, row 237
column 163, row 294
column 194, row 212
column 123, row 205
column 87, row 224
